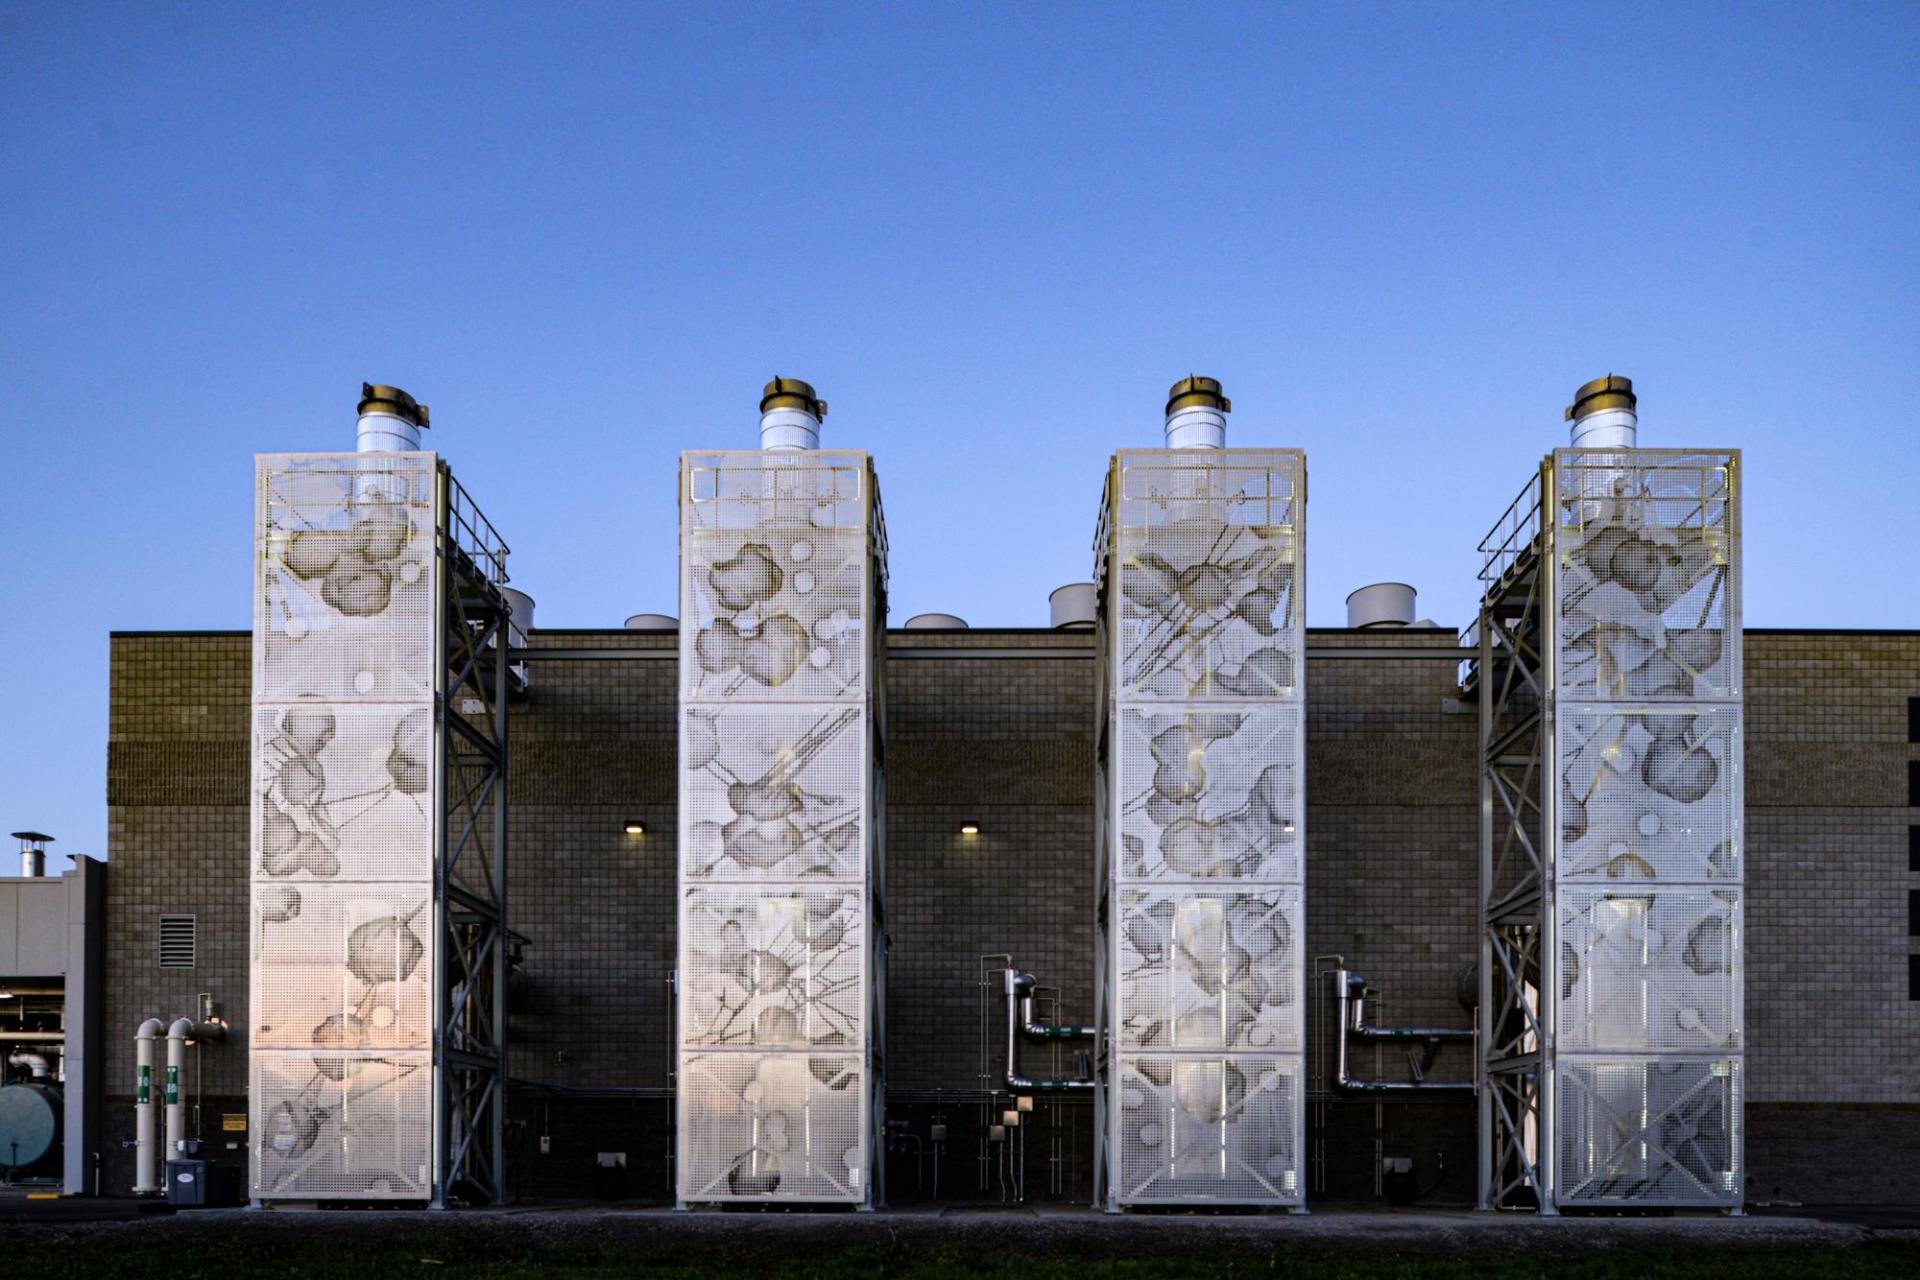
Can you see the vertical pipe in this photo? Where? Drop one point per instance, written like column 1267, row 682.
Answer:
column 501, row 944
column 176, row 1103
column 390, row 420
column 1197, row 410
column 1604, row 414
column 146, row 1146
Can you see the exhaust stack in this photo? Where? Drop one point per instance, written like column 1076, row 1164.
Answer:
column 790, row 415
column 1197, row 412
column 33, row 853
column 390, row 420
column 1603, row 416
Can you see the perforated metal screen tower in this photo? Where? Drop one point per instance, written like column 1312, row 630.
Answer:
column 1609, row 672
column 1202, row 826
column 783, row 596
column 376, row 1036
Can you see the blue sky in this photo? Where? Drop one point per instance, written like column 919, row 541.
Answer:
column 991, row 235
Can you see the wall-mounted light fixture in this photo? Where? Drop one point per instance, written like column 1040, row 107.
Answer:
column 969, row 828
column 635, row 827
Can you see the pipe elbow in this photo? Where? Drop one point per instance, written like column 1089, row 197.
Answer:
column 189, row 1030
column 151, row 1029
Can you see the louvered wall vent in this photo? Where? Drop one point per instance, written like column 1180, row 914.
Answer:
column 176, row 942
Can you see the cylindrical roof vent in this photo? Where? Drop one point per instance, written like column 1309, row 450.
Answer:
column 519, row 616
column 33, row 853
column 653, row 622
column 1603, row 414
column 1074, row 606
column 390, row 420
column 790, row 415
column 1197, row 412
column 1384, row 604
column 936, row 622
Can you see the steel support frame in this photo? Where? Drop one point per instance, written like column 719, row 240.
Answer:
column 1515, row 679
column 471, row 941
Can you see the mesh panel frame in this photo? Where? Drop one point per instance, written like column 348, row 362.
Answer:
column 1204, row 820
column 781, row 554
column 344, row 802
column 1647, row 762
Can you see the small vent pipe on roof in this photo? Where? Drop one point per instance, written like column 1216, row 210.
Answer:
column 1074, row 606
column 33, row 853
column 1603, row 414
column 390, row 420
column 652, row 622
column 936, row 622
column 519, row 617
column 1384, row 604
column 1197, row 410
column 790, row 415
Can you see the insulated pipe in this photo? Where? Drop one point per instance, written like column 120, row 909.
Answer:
column 790, row 415
column 179, row 1035
column 146, row 1146
column 34, row 1062
column 390, row 420
column 1604, row 414
column 1197, row 412
column 1019, row 987
column 1351, row 992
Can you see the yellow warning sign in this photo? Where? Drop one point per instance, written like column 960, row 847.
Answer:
column 233, row 1122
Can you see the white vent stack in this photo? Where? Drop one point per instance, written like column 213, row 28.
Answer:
column 652, row 622
column 936, row 622
column 519, row 617
column 790, row 415
column 33, row 853
column 390, row 420
column 1603, row 414
column 1383, row 604
column 1197, row 412
column 1074, row 606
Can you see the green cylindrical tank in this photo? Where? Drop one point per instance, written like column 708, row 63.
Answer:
column 29, row 1123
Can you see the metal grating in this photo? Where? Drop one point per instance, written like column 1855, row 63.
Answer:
column 345, row 762
column 1650, row 793
column 1649, row 972
column 1202, row 828
column 782, row 560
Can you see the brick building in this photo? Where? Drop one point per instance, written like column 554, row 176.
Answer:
column 996, row 728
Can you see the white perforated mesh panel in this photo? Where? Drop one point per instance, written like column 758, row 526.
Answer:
column 1648, row 810
column 1649, row 971
column 776, row 1020
column 346, row 1126
column 775, row 558
column 1208, row 558
column 1209, row 971
column 344, row 600
column 344, row 797
column 1196, row 1130
column 342, row 966
column 1209, row 791
column 774, row 793
column 1204, row 827
column 1639, row 1132
column 1646, row 588
column 775, row 968
column 343, row 792
column 1650, row 794
column 777, row 1126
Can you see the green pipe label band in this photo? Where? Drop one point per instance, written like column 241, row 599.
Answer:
column 143, row 1093
column 173, row 1085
